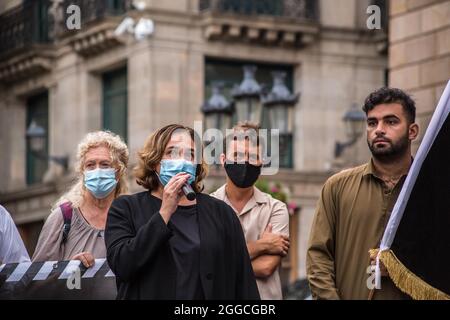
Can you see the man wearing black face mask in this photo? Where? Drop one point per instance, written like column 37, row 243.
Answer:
column 265, row 220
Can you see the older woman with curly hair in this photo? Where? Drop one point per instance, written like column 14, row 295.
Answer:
column 161, row 245
column 75, row 228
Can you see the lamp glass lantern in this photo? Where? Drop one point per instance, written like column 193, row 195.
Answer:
column 354, row 121
column 36, row 136
column 281, row 117
column 217, row 110
column 279, row 103
column 247, row 97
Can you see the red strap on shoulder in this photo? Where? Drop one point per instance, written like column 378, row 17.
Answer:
column 66, row 209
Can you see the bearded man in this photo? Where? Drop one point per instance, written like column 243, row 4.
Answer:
column 355, row 204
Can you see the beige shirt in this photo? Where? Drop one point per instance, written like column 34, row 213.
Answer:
column 82, row 237
column 259, row 211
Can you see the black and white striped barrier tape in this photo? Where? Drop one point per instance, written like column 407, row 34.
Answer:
column 57, row 280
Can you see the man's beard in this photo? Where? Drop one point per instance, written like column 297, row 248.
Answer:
column 389, row 150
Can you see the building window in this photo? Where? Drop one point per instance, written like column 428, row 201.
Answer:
column 115, row 106
column 230, row 74
column 37, row 164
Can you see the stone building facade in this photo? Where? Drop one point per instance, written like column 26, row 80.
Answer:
column 419, row 53
column 75, row 81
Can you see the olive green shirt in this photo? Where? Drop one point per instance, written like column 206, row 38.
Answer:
column 351, row 215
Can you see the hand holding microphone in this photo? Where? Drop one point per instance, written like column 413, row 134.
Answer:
column 173, row 192
column 188, row 192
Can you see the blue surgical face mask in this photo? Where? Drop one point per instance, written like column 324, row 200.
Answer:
column 100, row 182
column 171, row 167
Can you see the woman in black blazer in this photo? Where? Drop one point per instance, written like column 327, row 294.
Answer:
column 160, row 245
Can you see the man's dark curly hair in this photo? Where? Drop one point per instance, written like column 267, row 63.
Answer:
column 391, row 95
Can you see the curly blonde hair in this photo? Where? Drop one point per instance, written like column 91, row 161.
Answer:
column 119, row 156
column 152, row 153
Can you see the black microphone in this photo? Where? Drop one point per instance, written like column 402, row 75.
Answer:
column 188, row 192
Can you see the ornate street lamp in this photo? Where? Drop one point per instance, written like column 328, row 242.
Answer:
column 279, row 103
column 247, row 97
column 36, row 137
column 354, row 120
column 218, row 110
column 217, row 114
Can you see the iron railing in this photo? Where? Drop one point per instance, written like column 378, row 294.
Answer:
column 92, row 10
column 298, row 9
column 24, row 25
column 40, row 21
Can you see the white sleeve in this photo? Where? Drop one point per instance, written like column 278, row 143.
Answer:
column 12, row 249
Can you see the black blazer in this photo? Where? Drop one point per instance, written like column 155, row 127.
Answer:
column 139, row 254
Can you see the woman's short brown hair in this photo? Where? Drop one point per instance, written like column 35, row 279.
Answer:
column 152, row 153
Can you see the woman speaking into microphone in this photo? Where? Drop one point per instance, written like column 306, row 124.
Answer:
column 162, row 245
